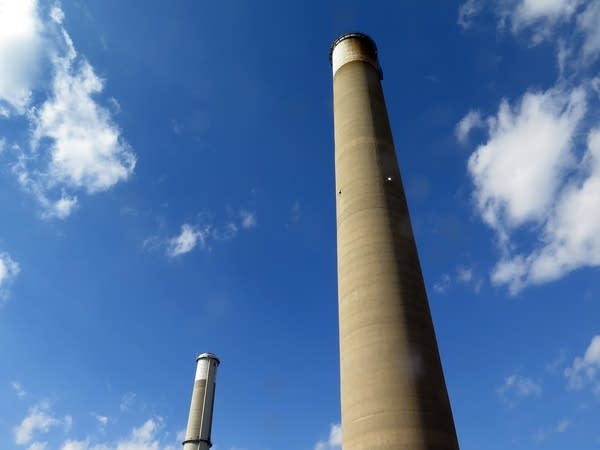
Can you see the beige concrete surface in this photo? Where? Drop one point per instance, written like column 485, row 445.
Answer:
column 393, row 391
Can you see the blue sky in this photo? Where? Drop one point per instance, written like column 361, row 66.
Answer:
column 166, row 188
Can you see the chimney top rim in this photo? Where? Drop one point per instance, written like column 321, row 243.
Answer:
column 353, row 35
column 208, row 356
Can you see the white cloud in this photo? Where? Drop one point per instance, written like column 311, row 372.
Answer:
column 570, row 238
column 528, row 177
column 38, row 446
column 18, row 388
column 248, row 218
column 21, row 45
column 87, row 150
column 516, row 386
column 142, row 438
column 517, row 172
column 467, row 11
column 187, row 240
column 9, row 269
column 61, row 208
column 584, row 370
column 39, row 420
column 75, row 145
column 527, row 12
column 471, row 121
column 335, row 436
column 75, row 445
column 334, row 441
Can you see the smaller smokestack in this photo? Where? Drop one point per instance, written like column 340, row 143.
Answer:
column 197, row 435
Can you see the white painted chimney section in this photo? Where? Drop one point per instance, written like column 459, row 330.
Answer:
column 197, row 435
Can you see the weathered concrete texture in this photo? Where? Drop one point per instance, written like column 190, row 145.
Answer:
column 197, row 435
column 392, row 386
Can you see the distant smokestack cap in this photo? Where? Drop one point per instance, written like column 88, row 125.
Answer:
column 353, row 46
column 208, row 356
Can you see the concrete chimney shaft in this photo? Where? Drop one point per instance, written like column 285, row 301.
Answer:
column 393, row 392
column 197, row 435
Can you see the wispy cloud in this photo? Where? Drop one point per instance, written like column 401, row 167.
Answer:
column 39, row 420
column 187, row 240
column 556, row 365
column 127, row 401
column 541, row 15
column 574, row 22
column 467, row 12
column 37, row 446
column 248, row 219
column 544, row 433
column 471, row 121
column 9, row 269
column 176, row 127
column 463, row 275
column 562, row 426
column 442, row 285
column 334, row 442
column 539, row 18
column 203, row 232
column 102, row 420
column 587, row 25
column 584, row 370
column 296, row 212
column 516, row 386
column 18, row 388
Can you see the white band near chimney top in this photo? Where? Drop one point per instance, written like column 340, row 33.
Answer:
column 352, row 49
column 202, row 369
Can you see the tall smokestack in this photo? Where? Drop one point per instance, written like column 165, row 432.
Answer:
column 392, row 386
column 197, row 435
